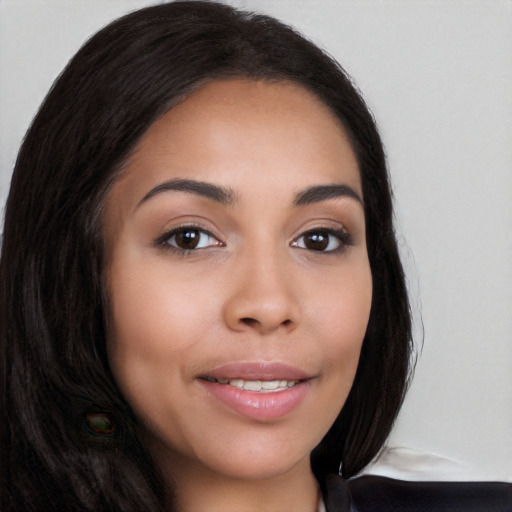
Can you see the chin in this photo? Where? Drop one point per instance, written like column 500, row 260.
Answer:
column 248, row 455
column 254, row 466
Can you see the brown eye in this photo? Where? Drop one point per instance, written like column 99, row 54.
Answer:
column 324, row 240
column 188, row 238
column 316, row 241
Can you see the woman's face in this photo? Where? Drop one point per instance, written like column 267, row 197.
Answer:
column 238, row 278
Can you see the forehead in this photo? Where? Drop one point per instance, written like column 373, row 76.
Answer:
column 241, row 133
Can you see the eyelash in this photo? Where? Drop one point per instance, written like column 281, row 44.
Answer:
column 164, row 239
column 344, row 239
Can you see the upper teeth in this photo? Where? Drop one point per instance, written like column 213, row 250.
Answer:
column 258, row 385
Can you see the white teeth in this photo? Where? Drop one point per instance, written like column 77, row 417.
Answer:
column 259, row 385
column 252, row 385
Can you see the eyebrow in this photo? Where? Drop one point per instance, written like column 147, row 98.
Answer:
column 220, row 194
column 226, row 196
column 320, row 193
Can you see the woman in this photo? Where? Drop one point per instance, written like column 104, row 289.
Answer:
column 206, row 309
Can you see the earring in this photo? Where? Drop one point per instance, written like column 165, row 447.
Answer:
column 100, row 423
column 340, row 469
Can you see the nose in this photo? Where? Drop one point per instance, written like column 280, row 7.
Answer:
column 263, row 297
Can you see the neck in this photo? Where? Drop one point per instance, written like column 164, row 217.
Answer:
column 190, row 488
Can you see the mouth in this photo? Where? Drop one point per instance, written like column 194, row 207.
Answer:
column 261, row 391
column 260, row 386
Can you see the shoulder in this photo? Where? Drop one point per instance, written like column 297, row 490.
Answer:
column 379, row 494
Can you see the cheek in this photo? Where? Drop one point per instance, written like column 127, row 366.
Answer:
column 336, row 319
column 342, row 301
column 156, row 320
column 151, row 302
column 341, row 314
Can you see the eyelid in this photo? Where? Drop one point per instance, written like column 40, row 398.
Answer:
column 344, row 238
column 162, row 240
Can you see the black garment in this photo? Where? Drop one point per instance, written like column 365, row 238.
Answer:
column 380, row 494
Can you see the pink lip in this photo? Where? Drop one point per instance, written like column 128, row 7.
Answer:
column 260, row 370
column 262, row 406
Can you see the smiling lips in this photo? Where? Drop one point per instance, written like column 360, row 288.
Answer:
column 265, row 386
column 261, row 391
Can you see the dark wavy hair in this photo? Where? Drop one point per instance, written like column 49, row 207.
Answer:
column 54, row 368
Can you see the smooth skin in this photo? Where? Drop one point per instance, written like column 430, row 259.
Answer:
column 255, row 266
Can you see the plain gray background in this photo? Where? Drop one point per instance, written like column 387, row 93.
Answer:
column 437, row 75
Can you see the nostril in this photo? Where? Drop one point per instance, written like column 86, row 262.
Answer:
column 251, row 322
